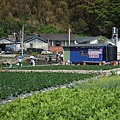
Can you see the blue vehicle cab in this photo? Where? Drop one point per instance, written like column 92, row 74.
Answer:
column 9, row 50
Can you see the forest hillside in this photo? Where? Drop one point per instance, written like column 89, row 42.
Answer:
column 83, row 17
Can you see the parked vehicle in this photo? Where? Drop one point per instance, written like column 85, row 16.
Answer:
column 46, row 52
column 9, row 50
column 20, row 51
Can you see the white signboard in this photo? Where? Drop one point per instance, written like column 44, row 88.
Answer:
column 94, row 53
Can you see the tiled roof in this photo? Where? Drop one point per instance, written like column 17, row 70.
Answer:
column 31, row 38
column 50, row 37
column 57, row 36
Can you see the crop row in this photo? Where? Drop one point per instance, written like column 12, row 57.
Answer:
column 65, row 67
column 92, row 103
column 14, row 84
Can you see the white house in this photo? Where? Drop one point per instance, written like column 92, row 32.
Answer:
column 35, row 42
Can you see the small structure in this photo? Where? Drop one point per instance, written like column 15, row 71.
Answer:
column 92, row 53
column 4, row 42
column 35, row 42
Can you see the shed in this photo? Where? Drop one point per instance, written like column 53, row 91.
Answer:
column 4, row 42
column 90, row 53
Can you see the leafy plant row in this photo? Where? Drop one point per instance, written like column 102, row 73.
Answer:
column 14, row 84
column 92, row 103
column 69, row 67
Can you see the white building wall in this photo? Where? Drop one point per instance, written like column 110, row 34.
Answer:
column 36, row 44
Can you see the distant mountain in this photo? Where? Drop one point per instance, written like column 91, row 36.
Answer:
column 84, row 17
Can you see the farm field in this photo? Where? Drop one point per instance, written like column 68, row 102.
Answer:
column 61, row 67
column 13, row 84
column 93, row 100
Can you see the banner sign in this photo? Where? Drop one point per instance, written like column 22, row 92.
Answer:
column 94, row 56
column 94, row 53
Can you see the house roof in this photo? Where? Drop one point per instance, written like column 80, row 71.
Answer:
column 56, row 48
column 5, row 41
column 46, row 37
column 57, row 37
column 85, row 39
column 86, row 45
column 31, row 38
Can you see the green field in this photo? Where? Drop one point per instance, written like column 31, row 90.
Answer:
column 89, row 98
column 13, row 84
column 93, row 100
column 61, row 67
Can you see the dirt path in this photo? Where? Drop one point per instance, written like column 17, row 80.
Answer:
column 101, row 72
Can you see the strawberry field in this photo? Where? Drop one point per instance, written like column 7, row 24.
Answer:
column 12, row 84
column 92, row 100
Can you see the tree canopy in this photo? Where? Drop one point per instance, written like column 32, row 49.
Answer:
column 84, row 17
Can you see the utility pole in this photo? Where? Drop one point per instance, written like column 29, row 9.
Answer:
column 48, row 44
column 69, row 36
column 22, row 39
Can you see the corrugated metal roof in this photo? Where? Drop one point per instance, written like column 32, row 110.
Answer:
column 86, row 45
column 85, row 39
column 5, row 41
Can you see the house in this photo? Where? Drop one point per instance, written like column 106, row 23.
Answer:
column 53, row 42
column 35, row 42
column 56, row 41
column 4, row 42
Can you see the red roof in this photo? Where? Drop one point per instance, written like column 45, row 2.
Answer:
column 56, row 49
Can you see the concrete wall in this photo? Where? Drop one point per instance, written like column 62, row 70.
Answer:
column 36, row 44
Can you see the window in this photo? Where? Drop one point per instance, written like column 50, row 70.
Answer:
column 31, row 45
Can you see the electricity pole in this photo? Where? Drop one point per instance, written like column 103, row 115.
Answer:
column 22, row 39
column 69, row 36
